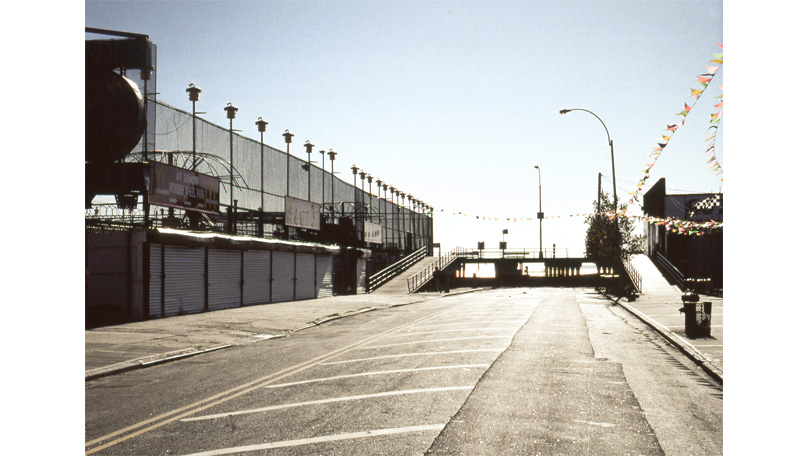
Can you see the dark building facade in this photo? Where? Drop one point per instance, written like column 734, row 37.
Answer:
column 695, row 251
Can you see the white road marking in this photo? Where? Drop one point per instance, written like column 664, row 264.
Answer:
column 415, row 354
column 596, row 424
column 436, row 340
column 403, row 334
column 326, row 401
column 322, row 439
column 364, row 374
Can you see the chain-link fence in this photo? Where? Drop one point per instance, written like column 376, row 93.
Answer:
column 254, row 181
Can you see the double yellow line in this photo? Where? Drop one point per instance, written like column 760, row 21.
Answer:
column 142, row 427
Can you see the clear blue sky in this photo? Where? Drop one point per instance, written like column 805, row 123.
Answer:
column 455, row 102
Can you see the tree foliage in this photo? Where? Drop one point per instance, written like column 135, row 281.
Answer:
column 601, row 234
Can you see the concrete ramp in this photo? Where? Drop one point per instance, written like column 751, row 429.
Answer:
column 653, row 282
column 398, row 285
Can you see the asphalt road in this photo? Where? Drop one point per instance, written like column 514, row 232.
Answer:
column 509, row 371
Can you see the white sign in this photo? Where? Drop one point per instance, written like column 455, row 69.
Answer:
column 373, row 233
column 302, row 214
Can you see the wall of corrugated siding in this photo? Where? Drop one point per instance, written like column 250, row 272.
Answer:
column 224, row 279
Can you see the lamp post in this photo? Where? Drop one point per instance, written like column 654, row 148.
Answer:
column 332, row 155
column 308, row 147
column 262, row 128
column 362, row 175
column 288, row 138
column 322, row 153
column 354, row 170
column 540, row 216
column 614, row 180
column 193, row 95
column 370, row 196
column 379, row 197
column 385, row 222
column 231, row 114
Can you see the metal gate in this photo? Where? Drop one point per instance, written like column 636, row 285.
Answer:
column 283, row 276
column 224, row 279
column 257, row 274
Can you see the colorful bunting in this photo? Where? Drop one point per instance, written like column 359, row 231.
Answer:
column 704, row 80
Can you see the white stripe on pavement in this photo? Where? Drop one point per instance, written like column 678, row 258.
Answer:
column 322, row 439
column 363, row 374
column 436, row 340
column 403, row 355
column 326, row 401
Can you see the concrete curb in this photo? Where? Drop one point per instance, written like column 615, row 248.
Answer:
column 152, row 360
column 148, row 361
column 683, row 345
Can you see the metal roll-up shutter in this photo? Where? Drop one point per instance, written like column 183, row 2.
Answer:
column 256, row 277
column 325, row 273
column 224, row 279
column 283, row 274
column 305, row 288
column 361, row 268
column 155, row 281
column 185, row 280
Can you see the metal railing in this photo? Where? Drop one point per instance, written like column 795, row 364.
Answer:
column 422, row 277
column 383, row 276
column 560, row 252
column 671, row 270
column 633, row 275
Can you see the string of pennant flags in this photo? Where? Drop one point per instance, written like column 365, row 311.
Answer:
column 673, row 225
column 703, row 80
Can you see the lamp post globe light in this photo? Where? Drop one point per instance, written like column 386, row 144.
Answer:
column 614, row 180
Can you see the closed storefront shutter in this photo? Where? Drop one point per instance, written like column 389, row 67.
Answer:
column 155, row 280
column 256, row 277
column 305, row 288
column 184, row 280
column 325, row 272
column 283, row 274
column 224, row 279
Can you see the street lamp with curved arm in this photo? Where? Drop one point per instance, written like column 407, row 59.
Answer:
column 614, row 178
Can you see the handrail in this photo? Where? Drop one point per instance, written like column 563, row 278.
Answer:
column 420, row 278
column 677, row 276
column 633, row 275
column 383, row 276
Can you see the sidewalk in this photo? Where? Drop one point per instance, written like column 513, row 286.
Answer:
column 658, row 306
column 110, row 350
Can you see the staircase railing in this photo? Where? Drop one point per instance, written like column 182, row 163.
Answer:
column 386, row 274
column 633, row 275
column 671, row 270
column 422, row 277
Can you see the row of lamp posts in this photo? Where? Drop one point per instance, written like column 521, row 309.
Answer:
column 193, row 95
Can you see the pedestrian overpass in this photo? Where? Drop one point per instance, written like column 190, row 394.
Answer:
column 512, row 268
